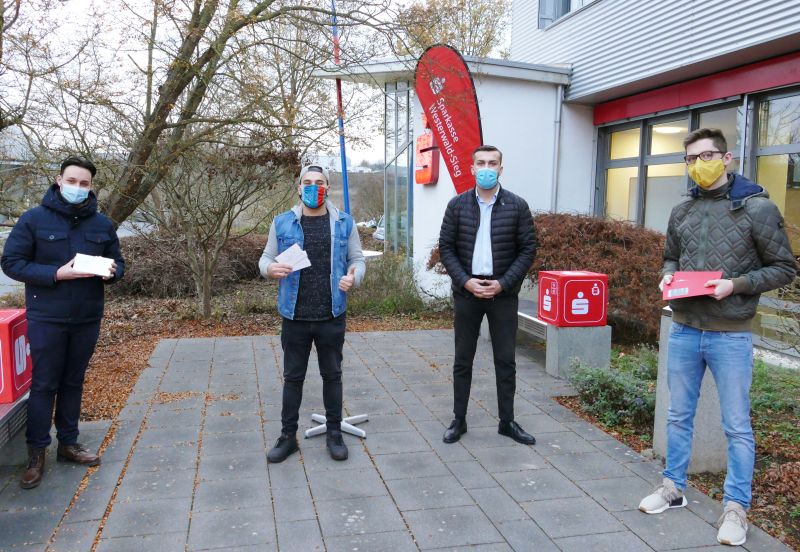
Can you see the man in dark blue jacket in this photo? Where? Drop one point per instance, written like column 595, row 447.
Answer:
column 487, row 244
column 64, row 307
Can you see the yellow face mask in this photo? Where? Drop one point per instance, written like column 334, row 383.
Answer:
column 705, row 173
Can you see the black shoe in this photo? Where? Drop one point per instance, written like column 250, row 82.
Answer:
column 284, row 446
column 512, row 429
column 336, row 447
column 455, row 431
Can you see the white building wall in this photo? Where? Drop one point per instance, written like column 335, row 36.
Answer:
column 519, row 118
column 610, row 43
column 576, row 160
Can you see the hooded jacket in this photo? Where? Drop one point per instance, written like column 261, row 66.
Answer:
column 735, row 229
column 46, row 238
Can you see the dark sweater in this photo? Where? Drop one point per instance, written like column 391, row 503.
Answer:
column 314, row 293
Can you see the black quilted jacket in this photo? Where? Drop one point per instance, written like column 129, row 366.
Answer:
column 513, row 239
column 735, row 229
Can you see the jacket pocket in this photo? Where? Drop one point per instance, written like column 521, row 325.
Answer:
column 285, row 242
column 52, row 247
column 95, row 242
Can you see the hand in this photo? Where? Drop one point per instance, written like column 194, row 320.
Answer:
column 483, row 289
column 665, row 281
column 112, row 272
column 279, row 270
column 348, row 280
column 491, row 288
column 722, row 288
column 66, row 272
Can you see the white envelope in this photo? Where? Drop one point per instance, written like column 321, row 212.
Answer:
column 101, row 266
column 294, row 256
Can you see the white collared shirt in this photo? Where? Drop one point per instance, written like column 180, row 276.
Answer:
column 482, row 255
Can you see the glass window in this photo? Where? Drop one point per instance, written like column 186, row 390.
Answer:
column 391, row 125
column 668, row 137
column 551, row 10
column 779, row 122
column 402, row 200
column 728, row 121
column 622, row 189
column 390, row 209
column 780, row 175
column 665, row 188
column 624, row 143
column 402, row 119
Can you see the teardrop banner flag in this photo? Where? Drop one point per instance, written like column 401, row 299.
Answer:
column 445, row 89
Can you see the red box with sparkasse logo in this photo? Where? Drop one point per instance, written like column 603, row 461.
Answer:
column 573, row 297
column 15, row 355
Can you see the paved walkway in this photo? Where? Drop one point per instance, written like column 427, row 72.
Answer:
column 189, row 458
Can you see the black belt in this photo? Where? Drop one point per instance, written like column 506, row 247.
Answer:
column 479, row 277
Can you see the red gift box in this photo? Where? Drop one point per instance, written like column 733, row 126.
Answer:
column 573, row 297
column 15, row 355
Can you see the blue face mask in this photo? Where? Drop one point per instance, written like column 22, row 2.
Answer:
column 74, row 194
column 313, row 196
column 486, row 178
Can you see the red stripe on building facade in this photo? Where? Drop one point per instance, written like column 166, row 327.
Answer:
column 771, row 73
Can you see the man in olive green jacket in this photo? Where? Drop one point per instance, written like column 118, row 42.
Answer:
column 728, row 224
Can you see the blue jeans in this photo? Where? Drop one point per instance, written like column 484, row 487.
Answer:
column 729, row 356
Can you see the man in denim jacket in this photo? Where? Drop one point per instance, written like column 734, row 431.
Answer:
column 312, row 302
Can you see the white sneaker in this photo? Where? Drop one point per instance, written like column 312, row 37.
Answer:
column 665, row 497
column 733, row 525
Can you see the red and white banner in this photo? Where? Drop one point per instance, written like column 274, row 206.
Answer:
column 445, row 89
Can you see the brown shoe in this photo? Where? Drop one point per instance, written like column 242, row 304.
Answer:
column 76, row 453
column 33, row 473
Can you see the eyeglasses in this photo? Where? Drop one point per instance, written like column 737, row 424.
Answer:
column 704, row 155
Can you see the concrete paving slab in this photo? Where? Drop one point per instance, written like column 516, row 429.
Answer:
column 402, row 488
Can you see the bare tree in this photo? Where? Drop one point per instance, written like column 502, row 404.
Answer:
column 27, row 60
column 204, row 194
column 474, row 27
column 215, row 39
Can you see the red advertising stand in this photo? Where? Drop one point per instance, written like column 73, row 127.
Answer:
column 15, row 355
column 573, row 298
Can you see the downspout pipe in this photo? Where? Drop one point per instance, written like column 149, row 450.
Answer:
column 556, row 148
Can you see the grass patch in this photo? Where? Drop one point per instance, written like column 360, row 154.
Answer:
column 13, row 300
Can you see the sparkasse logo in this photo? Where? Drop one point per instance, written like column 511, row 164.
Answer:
column 437, row 84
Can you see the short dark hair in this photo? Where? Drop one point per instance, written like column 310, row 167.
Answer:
column 78, row 162
column 714, row 134
column 487, row 147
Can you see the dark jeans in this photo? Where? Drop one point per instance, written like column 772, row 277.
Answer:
column 296, row 339
column 60, row 354
column 502, row 315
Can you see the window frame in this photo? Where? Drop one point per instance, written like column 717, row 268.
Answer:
column 645, row 159
column 390, row 163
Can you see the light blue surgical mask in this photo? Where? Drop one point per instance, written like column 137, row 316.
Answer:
column 74, row 194
column 486, row 178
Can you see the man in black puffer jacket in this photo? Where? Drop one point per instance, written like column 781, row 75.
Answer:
column 64, row 307
column 487, row 244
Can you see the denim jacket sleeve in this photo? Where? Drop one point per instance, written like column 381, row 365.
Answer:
column 355, row 256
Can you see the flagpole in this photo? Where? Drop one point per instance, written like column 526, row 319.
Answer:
column 340, row 111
